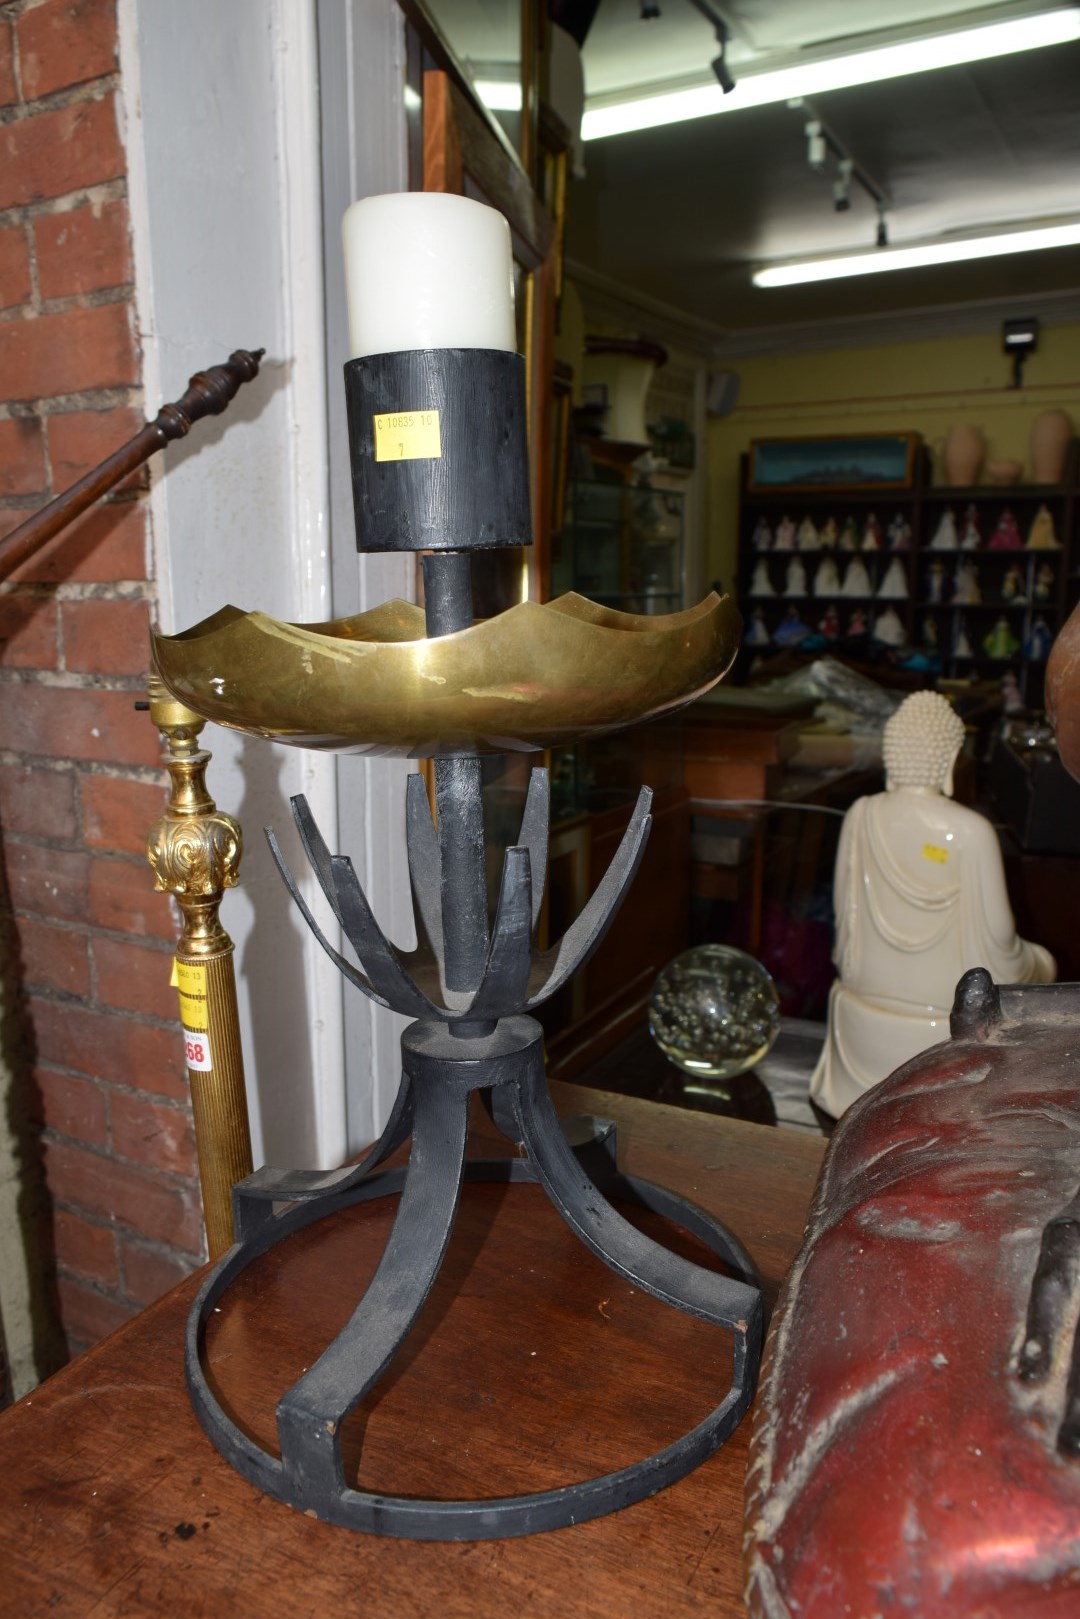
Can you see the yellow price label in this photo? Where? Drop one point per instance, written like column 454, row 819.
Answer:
column 190, row 980
column 408, row 435
column 934, row 852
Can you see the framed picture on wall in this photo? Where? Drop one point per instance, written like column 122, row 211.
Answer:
column 871, row 461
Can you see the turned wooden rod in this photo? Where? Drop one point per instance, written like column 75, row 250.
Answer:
column 208, row 394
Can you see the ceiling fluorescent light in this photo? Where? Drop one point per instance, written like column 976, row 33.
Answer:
column 619, row 115
column 499, row 95
column 911, row 258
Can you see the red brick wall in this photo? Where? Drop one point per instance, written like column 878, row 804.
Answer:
column 80, row 782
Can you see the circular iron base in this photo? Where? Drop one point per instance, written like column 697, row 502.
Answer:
column 322, row 1492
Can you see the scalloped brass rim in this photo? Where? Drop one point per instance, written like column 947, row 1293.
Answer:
column 535, row 676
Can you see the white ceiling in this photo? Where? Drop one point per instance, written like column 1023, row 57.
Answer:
column 684, row 213
column 622, row 51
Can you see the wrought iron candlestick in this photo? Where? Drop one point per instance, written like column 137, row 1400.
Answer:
column 452, row 477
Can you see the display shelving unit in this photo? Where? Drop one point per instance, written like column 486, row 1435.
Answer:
column 923, row 505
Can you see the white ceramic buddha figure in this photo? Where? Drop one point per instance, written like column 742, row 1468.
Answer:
column 920, row 898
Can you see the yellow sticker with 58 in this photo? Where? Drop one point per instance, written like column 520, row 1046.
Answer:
column 934, row 852
column 408, row 435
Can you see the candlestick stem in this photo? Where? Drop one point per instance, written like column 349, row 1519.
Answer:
column 458, row 796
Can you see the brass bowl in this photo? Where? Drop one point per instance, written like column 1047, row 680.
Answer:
column 535, row 676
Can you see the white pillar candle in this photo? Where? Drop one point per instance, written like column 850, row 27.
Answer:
column 425, row 270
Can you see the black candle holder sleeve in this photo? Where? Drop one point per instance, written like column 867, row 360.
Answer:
column 437, row 441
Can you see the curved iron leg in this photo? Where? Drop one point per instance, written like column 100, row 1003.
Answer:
column 613, row 1239
column 311, row 1413
column 254, row 1198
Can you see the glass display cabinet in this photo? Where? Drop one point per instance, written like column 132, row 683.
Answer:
column 622, row 544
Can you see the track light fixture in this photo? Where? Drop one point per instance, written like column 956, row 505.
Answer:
column 723, row 73
column 841, row 191
column 823, row 143
column 723, row 35
column 817, row 147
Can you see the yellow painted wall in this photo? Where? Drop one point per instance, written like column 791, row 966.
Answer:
column 923, row 386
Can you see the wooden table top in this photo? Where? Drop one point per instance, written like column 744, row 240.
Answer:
column 532, row 1365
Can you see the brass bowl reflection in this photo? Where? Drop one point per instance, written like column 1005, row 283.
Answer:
column 535, row 676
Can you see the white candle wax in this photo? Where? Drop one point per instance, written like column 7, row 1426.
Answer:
column 425, row 270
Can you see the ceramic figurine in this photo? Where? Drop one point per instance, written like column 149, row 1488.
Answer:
column 1006, row 537
column 856, row 579
column 1001, row 642
column 808, row 539
column 849, row 535
column 761, row 539
column 872, row 539
column 1012, row 585
column 761, row 584
column 889, row 628
column 829, row 534
column 961, row 645
column 826, row 578
column 971, row 533
column 830, row 623
column 1039, row 641
column 792, row 630
column 894, row 585
column 1041, row 535
column 919, row 897
column 785, row 535
column 857, row 622
column 966, row 584
column 758, row 633
column 1044, row 582
column 930, row 632
column 1011, row 700
column 899, row 532
column 795, row 582
column 935, row 583
column 945, row 534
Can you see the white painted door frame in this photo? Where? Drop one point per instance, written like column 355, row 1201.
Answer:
column 249, row 129
column 362, row 90
column 221, row 115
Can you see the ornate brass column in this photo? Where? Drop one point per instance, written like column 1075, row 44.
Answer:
column 194, row 851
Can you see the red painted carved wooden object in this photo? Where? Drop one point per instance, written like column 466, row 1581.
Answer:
column 915, row 1445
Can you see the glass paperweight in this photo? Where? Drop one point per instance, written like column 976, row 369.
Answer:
column 714, row 1011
